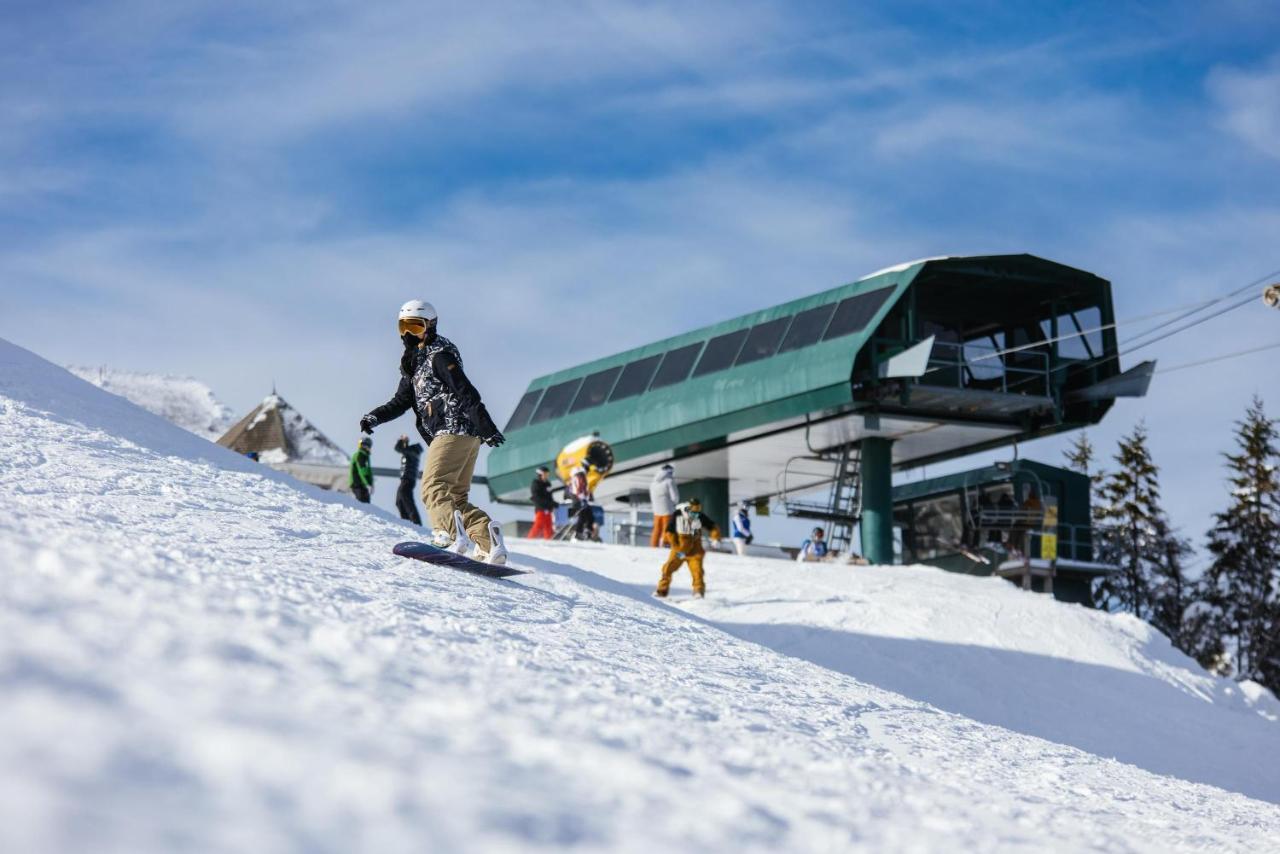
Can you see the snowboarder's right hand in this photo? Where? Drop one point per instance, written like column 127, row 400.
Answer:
column 495, row 440
column 368, row 422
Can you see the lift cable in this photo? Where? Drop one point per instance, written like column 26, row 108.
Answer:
column 1240, row 290
column 1196, row 322
column 1221, row 358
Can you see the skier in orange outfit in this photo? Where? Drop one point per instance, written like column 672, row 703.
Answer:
column 684, row 535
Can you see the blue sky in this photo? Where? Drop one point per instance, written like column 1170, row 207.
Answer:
column 247, row 195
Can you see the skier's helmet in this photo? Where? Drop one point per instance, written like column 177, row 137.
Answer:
column 366, row 442
column 695, row 504
column 416, row 316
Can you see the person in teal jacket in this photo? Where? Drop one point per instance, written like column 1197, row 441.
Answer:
column 361, row 480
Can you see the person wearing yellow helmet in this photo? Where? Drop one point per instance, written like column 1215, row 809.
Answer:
column 684, row 536
column 453, row 421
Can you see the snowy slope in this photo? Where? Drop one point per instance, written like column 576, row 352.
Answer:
column 981, row 647
column 184, row 401
column 196, row 653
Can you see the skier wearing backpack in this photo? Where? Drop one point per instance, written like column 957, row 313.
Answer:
column 409, row 459
column 684, row 535
column 453, row 421
column 584, row 526
column 360, row 477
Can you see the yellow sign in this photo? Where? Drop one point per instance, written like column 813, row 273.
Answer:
column 1049, row 533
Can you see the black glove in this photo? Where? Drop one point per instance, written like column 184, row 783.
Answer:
column 495, row 440
column 368, row 422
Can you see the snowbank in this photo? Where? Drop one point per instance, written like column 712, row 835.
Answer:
column 196, row 653
column 983, row 648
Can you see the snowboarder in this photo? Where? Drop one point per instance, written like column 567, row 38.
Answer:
column 453, row 421
column 410, row 455
column 663, row 496
column 740, row 529
column 584, row 527
column 361, row 477
column 814, row 548
column 544, row 505
column 684, row 535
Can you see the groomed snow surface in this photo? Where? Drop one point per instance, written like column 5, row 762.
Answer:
column 197, row 653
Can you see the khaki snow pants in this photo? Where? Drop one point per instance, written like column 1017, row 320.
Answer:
column 446, row 485
column 673, row 563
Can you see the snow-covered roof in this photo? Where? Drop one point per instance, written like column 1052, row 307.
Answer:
column 281, row 434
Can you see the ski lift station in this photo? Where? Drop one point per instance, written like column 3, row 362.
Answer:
column 829, row 394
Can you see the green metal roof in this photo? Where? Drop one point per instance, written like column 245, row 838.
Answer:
column 697, row 409
column 698, row 412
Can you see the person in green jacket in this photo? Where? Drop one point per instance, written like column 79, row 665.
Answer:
column 361, row 481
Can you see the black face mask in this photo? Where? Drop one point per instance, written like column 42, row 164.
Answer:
column 410, row 340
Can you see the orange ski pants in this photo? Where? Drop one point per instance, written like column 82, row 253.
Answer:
column 659, row 528
column 543, row 526
column 674, row 563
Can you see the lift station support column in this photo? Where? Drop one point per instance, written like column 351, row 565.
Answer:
column 877, row 499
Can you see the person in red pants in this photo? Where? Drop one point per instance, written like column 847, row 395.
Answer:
column 544, row 506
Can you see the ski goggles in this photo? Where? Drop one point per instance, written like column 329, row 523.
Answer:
column 416, row 325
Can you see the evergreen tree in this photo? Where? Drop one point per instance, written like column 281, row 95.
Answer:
column 1244, row 579
column 1080, row 454
column 1129, row 533
column 1174, row 596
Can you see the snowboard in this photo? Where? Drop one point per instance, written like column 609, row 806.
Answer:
column 441, row 557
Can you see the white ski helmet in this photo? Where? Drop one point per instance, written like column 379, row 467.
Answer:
column 418, row 308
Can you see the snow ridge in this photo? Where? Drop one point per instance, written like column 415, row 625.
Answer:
column 183, row 401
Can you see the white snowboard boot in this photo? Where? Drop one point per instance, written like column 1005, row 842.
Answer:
column 441, row 538
column 464, row 544
column 498, row 553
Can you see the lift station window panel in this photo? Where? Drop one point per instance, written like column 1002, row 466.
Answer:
column 763, row 340
column 720, row 352
column 555, row 402
column 635, row 377
column 595, row 389
column 1079, row 332
column 524, row 409
column 853, row 314
column 676, row 365
column 807, row 328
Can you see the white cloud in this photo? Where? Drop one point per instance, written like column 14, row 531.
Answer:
column 1249, row 104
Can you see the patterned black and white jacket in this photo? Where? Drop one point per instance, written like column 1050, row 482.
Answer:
column 443, row 400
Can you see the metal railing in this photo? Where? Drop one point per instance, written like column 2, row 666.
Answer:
column 1075, row 542
column 971, row 366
